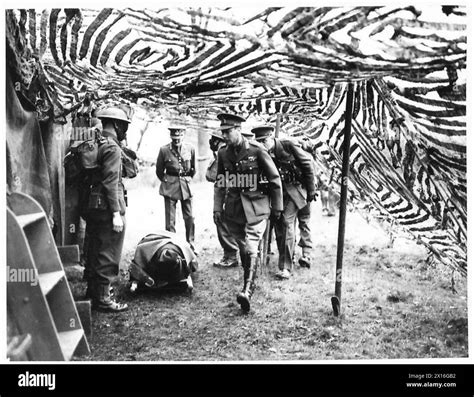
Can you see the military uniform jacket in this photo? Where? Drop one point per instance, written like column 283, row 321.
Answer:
column 252, row 204
column 175, row 170
column 103, row 191
column 289, row 157
column 110, row 160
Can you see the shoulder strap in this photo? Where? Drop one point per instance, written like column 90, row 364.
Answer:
column 176, row 154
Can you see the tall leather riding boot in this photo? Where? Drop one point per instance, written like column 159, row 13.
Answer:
column 246, row 267
column 243, row 298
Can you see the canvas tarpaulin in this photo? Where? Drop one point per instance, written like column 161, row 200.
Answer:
column 27, row 167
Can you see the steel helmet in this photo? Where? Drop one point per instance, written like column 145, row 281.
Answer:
column 114, row 113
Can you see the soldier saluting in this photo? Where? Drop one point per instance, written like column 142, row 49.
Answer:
column 297, row 175
column 175, row 167
column 246, row 206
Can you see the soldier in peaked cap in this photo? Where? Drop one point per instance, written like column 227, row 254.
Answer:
column 175, row 167
column 297, row 174
column 239, row 195
column 226, row 240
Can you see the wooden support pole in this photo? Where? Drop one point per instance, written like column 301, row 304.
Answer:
column 336, row 300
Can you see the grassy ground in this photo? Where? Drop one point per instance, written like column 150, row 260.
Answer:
column 395, row 305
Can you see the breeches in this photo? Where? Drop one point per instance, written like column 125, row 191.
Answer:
column 247, row 236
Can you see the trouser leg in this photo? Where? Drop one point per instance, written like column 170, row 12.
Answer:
column 103, row 256
column 104, row 249
column 324, row 199
column 306, row 243
column 226, row 240
column 285, row 235
column 304, row 220
column 170, row 214
column 187, row 209
column 237, row 230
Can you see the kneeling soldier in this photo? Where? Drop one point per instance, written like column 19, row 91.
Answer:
column 246, row 205
column 297, row 175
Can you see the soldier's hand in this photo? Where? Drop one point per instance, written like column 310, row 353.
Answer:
column 217, row 217
column 117, row 222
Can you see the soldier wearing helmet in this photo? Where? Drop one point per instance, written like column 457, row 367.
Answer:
column 226, row 240
column 104, row 212
column 175, row 167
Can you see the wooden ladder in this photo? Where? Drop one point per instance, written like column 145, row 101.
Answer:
column 39, row 300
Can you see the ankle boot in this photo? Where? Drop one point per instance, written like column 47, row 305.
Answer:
column 104, row 301
column 305, row 260
column 243, row 298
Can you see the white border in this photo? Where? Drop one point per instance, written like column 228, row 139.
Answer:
column 7, row 4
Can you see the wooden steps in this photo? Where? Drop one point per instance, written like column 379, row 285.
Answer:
column 69, row 341
column 48, row 281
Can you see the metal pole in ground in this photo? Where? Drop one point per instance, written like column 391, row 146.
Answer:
column 336, row 300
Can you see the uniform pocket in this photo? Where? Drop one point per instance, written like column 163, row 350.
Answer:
column 97, row 199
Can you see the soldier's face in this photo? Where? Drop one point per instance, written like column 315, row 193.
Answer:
column 232, row 136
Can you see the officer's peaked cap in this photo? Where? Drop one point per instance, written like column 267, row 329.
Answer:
column 230, row 119
column 245, row 132
column 176, row 131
